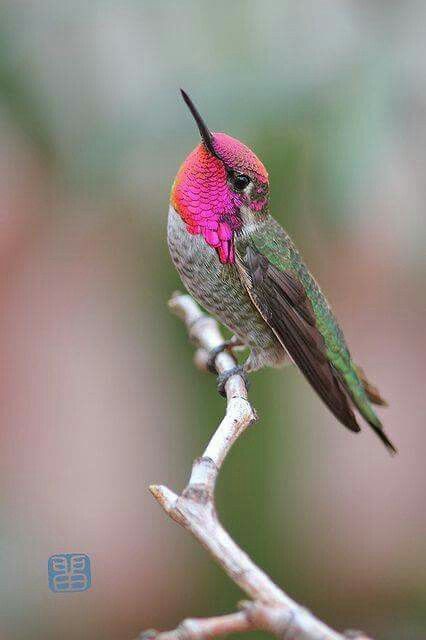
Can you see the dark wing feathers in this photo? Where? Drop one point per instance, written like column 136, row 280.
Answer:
column 282, row 301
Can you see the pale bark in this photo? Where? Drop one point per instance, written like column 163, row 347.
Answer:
column 270, row 608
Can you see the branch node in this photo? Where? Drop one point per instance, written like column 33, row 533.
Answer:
column 148, row 634
column 270, row 609
column 206, row 461
column 199, row 493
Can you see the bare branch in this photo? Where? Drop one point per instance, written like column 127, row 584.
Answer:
column 199, row 628
column 271, row 609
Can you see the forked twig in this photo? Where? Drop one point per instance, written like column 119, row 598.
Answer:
column 270, row 609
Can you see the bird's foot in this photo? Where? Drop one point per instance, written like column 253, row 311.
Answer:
column 227, row 345
column 211, row 360
column 223, row 378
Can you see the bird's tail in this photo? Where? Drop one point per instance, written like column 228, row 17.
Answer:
column 367, row 412
column 373, row 394
column 363, row 393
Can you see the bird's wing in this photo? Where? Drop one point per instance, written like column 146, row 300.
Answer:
column 282, row 301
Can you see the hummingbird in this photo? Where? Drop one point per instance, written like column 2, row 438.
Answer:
column 238, row 262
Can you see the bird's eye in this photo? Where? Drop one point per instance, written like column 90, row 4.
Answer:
column 240, row 181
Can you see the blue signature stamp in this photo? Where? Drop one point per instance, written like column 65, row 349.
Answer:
column 69, row 572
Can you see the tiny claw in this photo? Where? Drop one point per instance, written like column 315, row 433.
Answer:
column 223, row 378
column 211, row 360
column 227, row 345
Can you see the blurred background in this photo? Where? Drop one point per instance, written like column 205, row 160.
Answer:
column 98, row 394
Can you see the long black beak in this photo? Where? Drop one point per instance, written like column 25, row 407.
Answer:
column 202, row 127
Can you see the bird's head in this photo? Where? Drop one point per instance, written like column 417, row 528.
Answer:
column 221, row 187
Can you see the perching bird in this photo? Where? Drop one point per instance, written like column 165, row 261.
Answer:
column 240, row 264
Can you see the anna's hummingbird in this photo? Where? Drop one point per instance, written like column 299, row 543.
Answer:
column 241, row 265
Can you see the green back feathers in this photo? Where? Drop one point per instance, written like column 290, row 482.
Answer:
column 273, row 242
